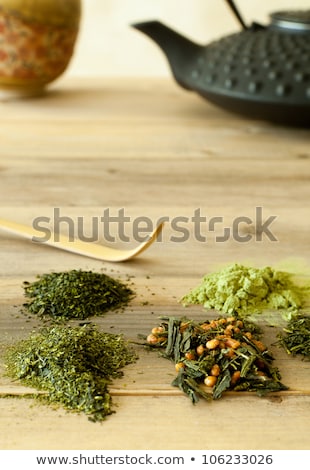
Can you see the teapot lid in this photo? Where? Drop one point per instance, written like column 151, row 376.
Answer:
column 294, row 20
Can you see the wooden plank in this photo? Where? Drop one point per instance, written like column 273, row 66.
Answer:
column 161, row 423
column 100, row 119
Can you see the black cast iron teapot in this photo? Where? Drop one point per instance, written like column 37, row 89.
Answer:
column 261, row 71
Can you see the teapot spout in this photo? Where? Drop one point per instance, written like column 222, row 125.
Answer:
column 179, row 50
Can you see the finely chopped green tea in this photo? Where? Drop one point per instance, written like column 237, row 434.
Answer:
column 246, row 290
column 75, row 294
column 215, row 356
column 295, row 338
column 74, row 365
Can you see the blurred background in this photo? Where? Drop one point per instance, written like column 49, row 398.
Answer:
column 108, row 46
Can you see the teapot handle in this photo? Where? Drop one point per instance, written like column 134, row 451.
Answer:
column 236, row 12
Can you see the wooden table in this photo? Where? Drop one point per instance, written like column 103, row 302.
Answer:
column 153, row 150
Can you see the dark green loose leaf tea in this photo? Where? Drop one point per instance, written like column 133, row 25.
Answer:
column 75, row 294
column 223, row 354
column 295, row 338
column 73, row 364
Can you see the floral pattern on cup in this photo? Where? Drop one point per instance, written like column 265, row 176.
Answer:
column 32, row 52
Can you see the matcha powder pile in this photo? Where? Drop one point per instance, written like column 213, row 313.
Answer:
column 247, row 290
column 75, row 294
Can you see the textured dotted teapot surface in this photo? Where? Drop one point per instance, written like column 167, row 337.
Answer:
column 273, row 67
column 262, row 72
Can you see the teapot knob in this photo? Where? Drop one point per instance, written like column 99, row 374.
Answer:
column 291, row 20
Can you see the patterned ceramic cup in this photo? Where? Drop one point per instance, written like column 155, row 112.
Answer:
column 37, row 39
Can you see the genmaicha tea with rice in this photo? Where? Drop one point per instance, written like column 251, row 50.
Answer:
column 216, row 356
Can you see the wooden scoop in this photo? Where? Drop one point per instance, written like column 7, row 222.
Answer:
column 92, row 250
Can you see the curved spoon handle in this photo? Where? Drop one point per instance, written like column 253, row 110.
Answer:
column 91, row 250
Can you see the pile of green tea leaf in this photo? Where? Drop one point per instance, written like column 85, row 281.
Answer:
column 74, row 365
column 247, row 290
column 75, row 294
column 295, row 338
column 221, row 354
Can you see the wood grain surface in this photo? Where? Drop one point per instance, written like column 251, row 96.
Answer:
column 152, row 150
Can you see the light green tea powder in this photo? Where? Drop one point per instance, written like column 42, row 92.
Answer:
column 242, row 290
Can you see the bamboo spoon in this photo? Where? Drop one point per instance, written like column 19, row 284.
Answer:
column 92, row 250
